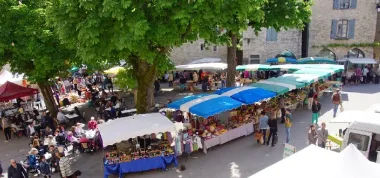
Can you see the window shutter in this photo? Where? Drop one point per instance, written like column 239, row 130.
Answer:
column 333, row 29
column 353, row 4
column 274, row 34
column 351, row 29
column 335, row 4
column 268, row 34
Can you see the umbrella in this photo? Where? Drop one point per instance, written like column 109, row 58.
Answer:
column 282, row 60
column 114, row 70
column 279, row 90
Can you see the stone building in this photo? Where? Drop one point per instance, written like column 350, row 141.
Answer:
column 342, row 28
column 338, row 29
column 197, row 50
column 269, row 43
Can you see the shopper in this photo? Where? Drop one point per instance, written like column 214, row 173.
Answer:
column 272, row 131
column 315, row 108
column 336, row 100
column 288, row 125
column 344, row 75
column 358, row 74
column 45, row 168
column 323, row 134
column 312, row 135
column 171, row 79
column 15, row 170
column 263, row 125
column 7, row 129
column 310, row 97
column 282, row 108
column 65, row 166
column 365, row 74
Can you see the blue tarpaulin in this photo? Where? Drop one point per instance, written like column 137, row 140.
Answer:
column 247, row 95
column 205, row 105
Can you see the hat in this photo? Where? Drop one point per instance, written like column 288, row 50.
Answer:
column 92, row 118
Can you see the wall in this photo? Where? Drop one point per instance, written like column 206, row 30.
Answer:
column 192, row 51
column 365, row 16
column 286, row 40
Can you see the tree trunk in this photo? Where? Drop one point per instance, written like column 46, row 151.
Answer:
column 231, row 61
column 48, row 99
column 145, row 76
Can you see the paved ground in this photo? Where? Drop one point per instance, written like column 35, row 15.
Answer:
column 237, row 159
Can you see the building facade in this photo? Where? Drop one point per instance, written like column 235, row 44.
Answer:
column 197, row 50
column 343, row 28
column 338, row 29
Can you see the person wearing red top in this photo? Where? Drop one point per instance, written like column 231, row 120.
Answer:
column 92, row 125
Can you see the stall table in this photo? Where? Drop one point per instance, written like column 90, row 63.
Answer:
column 233, row 134
column 159, row 162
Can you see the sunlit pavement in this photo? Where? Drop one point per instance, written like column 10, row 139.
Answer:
column 237, row 159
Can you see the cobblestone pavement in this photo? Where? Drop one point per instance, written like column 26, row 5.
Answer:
column 237, row 159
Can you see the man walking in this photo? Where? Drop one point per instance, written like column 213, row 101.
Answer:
column 7, row 129
column 15, row 170
column 263, row 125
column 310, row 97
column 272, row 131
column 336, row 100
column 323, row 134
column 65, row 166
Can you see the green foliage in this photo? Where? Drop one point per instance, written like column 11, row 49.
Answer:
column 137, row 31
column 28, row 45
column 352, row 45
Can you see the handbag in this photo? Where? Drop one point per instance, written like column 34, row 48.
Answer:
column 341, row 108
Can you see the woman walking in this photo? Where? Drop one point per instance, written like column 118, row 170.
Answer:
column 288, row 125
column 272, row 131
column 315, row 108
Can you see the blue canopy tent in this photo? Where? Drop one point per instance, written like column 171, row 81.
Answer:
column 280, row 60
column 247, row 95
column 205, row 105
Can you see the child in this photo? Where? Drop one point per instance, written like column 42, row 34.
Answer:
column 45, row 168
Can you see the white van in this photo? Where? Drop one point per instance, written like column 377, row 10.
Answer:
column 363, row 131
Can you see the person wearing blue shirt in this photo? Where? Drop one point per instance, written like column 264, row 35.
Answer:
column 263, row 125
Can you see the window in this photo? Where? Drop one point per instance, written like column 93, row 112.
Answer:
column 342, row 29
column 253, row 59
column 327, row 54
column 202, row 46
column 344, row 4
column 271, row 34
column 355, row 53
column 215, row 48
column 360, row 141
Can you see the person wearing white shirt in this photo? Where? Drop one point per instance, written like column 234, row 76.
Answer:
column 365, row 74
column 31, row 129
column 60, row 116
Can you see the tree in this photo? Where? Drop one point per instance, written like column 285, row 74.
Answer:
column 141, row 32
column 31, row 47
column 237, row 16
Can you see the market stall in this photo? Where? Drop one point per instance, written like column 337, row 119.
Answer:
column 278, row 89
column 350, row 163
column 203, row 66
column 133, row 144
column 304, row 78
column 205, row 105
column 293, row 83
column 255, row 67
column 316, row 60
column 247, row 95
column 9, row 91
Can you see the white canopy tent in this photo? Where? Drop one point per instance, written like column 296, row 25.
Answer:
column 8, row 76
column 374, row 108
column 204, row 66
column 315, row 162
column 358, row 60
column 206, row 60
column 351, row 116
column 115, row 131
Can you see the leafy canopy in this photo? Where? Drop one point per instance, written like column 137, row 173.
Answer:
column 28, row 44
column 128, row 29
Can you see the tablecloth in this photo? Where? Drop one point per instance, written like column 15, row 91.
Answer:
column 243, row 130
column 210, row 143
column 159, row 162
